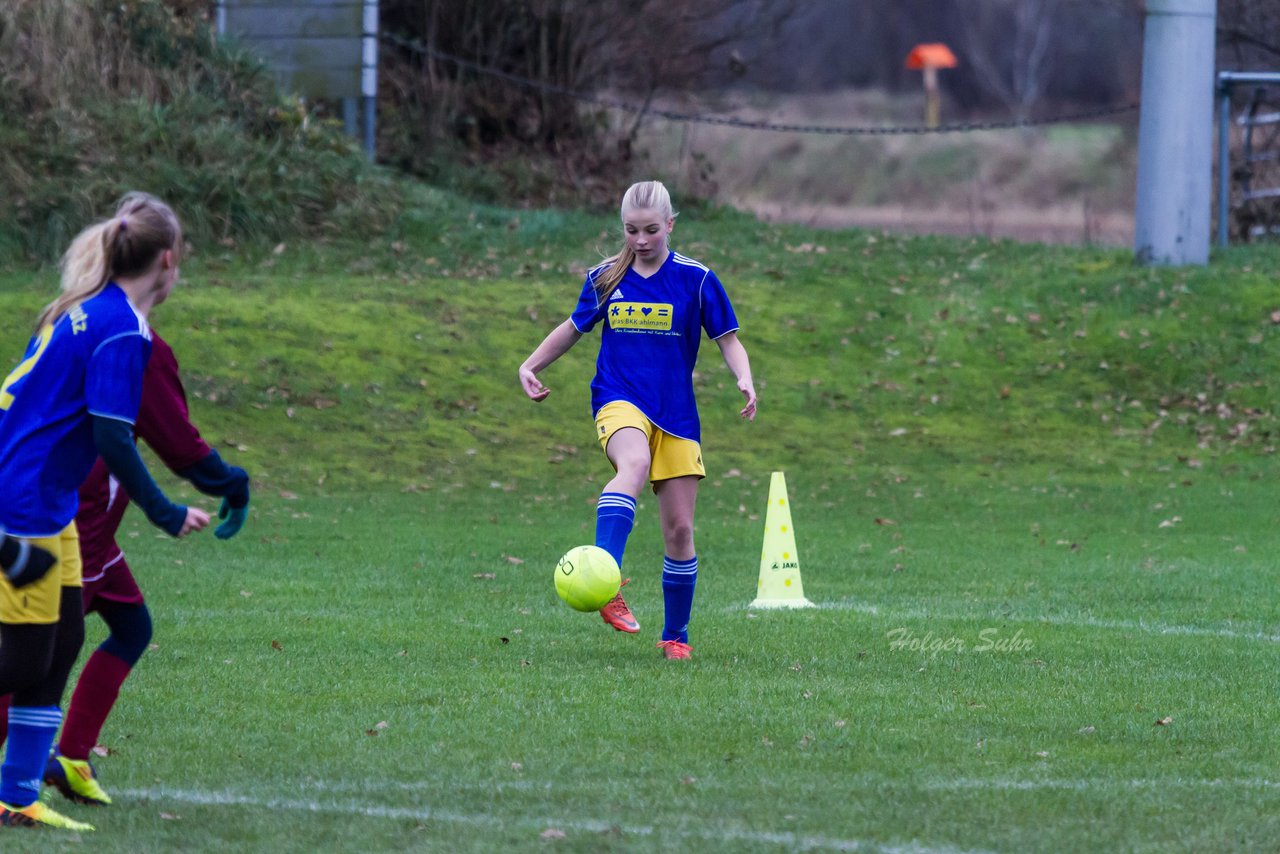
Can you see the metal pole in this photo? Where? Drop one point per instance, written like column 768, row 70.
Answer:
column 221, row 17
column 369, row 77
column 1224, row 158
column 1175, row 133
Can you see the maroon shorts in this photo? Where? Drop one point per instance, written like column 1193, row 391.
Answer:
column 113, row 583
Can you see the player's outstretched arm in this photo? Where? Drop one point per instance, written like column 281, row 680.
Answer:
column 735, row 356
column 555, row 345
column 164, row 423
column 212, row 476
column 114, row 442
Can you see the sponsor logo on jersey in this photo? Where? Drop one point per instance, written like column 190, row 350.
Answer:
column 640, row 315
column 654, row 316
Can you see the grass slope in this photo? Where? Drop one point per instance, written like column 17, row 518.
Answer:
column 395, row 363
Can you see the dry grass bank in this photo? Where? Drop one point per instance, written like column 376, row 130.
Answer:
column 1061, row 183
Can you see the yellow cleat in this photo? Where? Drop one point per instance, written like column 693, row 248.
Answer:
column 37, row 815
column 76, row 780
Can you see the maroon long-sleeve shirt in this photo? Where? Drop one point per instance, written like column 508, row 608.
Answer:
column 164, row 423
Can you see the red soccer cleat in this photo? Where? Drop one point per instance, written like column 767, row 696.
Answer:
column 617, row 614
column 674, row 649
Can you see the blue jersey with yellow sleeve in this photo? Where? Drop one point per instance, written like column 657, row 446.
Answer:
column 649, row 343
column 90, row 361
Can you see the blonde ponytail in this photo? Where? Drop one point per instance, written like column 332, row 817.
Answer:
column 128, row 244
column 85, row 270
column 641, row 195
column 613, row 269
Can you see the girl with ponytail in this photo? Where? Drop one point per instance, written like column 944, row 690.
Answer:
column 110, row 589
column 654, row 304
column 73, row 398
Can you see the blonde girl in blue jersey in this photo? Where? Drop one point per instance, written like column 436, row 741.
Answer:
column 72, row 398
column 653, row 305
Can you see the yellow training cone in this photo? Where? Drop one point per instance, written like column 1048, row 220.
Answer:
column 780, row 585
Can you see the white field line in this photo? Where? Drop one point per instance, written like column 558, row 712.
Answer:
column 862, row 782
column 1145, row 627
column 792, row 841
column 1096, row 784
column 1137, row 626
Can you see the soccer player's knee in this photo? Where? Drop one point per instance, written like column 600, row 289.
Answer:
column 131, row 631
column 634, row 470
column 679, row 537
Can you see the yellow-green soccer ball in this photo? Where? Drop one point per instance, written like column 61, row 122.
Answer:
column 587, row 577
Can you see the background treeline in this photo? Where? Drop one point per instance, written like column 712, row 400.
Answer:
column 446, row 113
column 139, row 93
column 1017, row 59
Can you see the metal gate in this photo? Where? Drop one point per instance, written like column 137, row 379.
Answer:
column 1249, row 182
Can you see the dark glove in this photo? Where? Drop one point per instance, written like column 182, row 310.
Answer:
column 22, row 562
column 234, row 517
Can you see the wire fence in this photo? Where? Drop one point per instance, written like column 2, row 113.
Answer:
column 421, row 49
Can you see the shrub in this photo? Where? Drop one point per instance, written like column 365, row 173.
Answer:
column 100, row 97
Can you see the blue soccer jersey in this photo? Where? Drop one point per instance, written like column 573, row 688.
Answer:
column 89, row 362
column 649, row 342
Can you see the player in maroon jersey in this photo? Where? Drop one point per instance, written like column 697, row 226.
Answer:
column 164, row 423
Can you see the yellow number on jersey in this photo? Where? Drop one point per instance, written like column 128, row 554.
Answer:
column 24, row 367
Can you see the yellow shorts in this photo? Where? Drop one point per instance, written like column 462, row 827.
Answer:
column 39, row 602
column 670, row 456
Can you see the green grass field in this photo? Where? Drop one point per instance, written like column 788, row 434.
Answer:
column 383, row 672
column 1034, row 502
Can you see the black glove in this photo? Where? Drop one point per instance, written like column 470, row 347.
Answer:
column 22, row 562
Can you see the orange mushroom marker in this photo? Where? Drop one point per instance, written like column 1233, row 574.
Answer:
column 929, row 58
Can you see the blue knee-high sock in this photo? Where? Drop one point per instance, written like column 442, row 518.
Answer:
column 31, row 732
column 679, row 577
column 615, row 516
